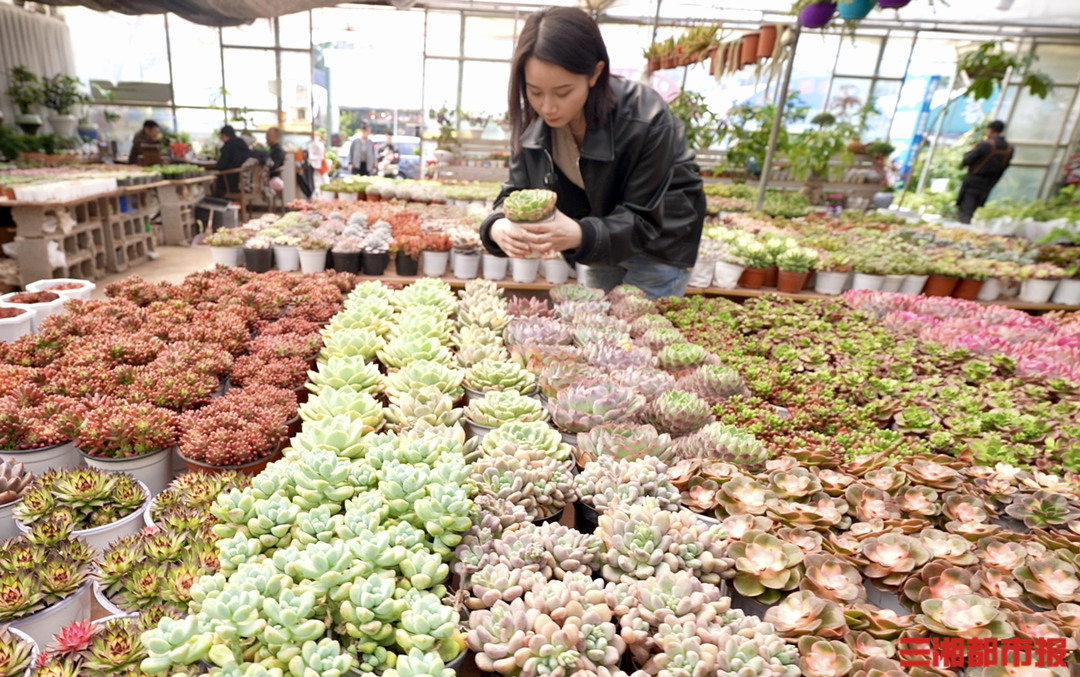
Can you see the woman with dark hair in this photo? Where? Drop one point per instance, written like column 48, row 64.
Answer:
column 630, row 199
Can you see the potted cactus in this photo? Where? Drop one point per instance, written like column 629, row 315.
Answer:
column 134, row 438
column 528, row 206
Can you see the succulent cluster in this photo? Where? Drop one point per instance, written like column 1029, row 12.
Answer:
column 609, row 481
column 41, row 568
column 15, row 654
column 529, row 206
column 499, row 407
column 119, row 429
column 185, row 503
column 110, row 646
column 246, row 425
column 14, row 481
column 79, row 498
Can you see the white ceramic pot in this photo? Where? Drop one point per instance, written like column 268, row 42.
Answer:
column 726, row 275
column 99, row 538
column 12, row 328
column 41, row 460
column 312, row 260
column 556, row 271
column 7, row 520
column 830, row 283
column 1067, row 293
column 287, row 259
column 153, row 469
column 466, row 266
column 990, row 291
column 83, row 292
column 348, row 197
column 864, row 281
column 1037, row 291
column 434, row 263
column 108, row 606
column 43, row 309
column 702, row 274
column 524, row 270
column 227, row 256
column 66, row 126
column 892, row 283
column 495, row 267
column 913, row 284
column 42, row 625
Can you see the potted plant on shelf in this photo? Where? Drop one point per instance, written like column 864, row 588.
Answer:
column 833, row 272
column 25, row 91
column 226, row 247
column 375, row 251
column 795, row 266
column 258, row 254
column 99, row 506
column 1038, row 281
column 61, row 95
column 15, row 321
column 37, row 428
column 667, row 54
column 407, row 248
column 811, row 152
column 973, row 274
column 286, row 256
column 435, row 253
column 987, row 65
column 854, row 10
column 312, row 252
column 134, row 438
column 757, row 259
column 346, row 253
column 871, row 265
column 465, row 243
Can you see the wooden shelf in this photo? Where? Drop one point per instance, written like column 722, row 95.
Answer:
column 742, row 293
column 391, row 277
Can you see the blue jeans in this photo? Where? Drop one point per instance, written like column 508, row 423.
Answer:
column 656, row 279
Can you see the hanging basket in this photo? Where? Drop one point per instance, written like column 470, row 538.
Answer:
column 817, row 15
column 855, row 10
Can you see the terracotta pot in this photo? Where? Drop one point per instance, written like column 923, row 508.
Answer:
column 667, row 61
column 752, row 278
column 856, row 146
column 937, row 285
column 771, row 276
column 712, row 66
column 791, row 283
column 767, row 42
column 749, row 48
column 251, row 469
column 968, row 289
column 654, row 63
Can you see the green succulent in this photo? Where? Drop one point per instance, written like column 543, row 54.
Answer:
column 537, row 435
column 725, row 443
column 360, row 342
column 421, row 373
column 492, row 375
column 410, row 348
column 497, row 407
column 678, row 357
column 353, row 373
column 361, row 408
column 417, row 663
column 427, row 405
column 341, row 435
column 529, row 206
column 678, row 413
column 582, row 407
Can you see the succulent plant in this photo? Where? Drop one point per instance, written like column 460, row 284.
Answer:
column 14, row 481
column 1043, row 509
column 15, row 654
column 85, row 497
column 609, row 481
column 892, row 557
column 537, row 436
column 529, row 206
column 420, row 321
column 361, row 408
column 831, row 578
column 426, row 291
column 580, row 408
column 498, row 407
column 677, row 413
column 558, row 376
column 575, row 292
column 680, row 357
column 766, row 566
column 410, row 348
column 802, row 613
column 427, row 405
column 967, row 616
column 347, row 372
column 625, row 441
column 538, row 330
column 1049, row 582
column 647, row 381
column 527, row 306
column 491, row 375
column 713, row 383
column 358, row 342
column 423, row 373
column 526, row 477
column 636, row 542
column 727, row 444
column 419, row 664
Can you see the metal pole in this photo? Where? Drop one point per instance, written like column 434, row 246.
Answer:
column 925, row 176
column 656, row 20
column 778, row 119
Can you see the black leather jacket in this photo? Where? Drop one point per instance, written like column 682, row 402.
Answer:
column 644, row 187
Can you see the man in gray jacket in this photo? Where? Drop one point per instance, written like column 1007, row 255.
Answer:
column 362, row 157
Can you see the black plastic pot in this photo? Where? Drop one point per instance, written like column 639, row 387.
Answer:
column 374, row 264
column 406, row 265
column 347, row 263
column 586, row 519
column 258, row 260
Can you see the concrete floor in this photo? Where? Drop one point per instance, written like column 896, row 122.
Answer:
column 173, row 265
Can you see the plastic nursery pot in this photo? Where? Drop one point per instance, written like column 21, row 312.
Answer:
column 54, row 306
column 435, row 263
column 227, row 256
column 586, row 518
column 864, row 281
column 7, row 520
column 892, row 283
column 20, row 322
column 767, row 41
column 406, row 265
column 99, row 538
column 937, row 285
column 853, row 10
column 556, row 271
column 702, row 274
column 312, row 260
column 258, row 260
column 105, row 603
column 253, row 468
column 495, row 267
column 1067, row 293
column 466, row 266
column 791, row 283
column 40, row 460
column 153, row 469
column 476, row 430
column 374, row 264
column 554, row 517
column 524, row 270
column 67, row 287
column 772, row 275
column 817, row 15
column 913, row 284
column 44, row 624
column 286, row 258
column 752, row 278
column 726, row 275
column 990, row 290
column 884, row 599
column 749, row 53
column 346, row 262
column 1037, row 291
column 967, row 289
column 748, row 605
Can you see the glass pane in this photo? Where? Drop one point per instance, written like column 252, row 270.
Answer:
column 848, row 96
column 1059, row 62
column 441, row 87
column 202, row 125
column 251, row 78
column 1025, row 154
column 111, row 59
column 624, row 43
column 1020, row 182
column 197, row 75
column 260, row 33
column 813, row 66
column 443, row 34
column 489, row 37
column 1036, row 119
column 294, row 31
column 483, row 90
column 296, row 91
column 130, row 121
column 886, row 97
column 858, row 56
column 894, row 59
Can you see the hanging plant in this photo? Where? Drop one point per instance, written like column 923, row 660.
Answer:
column 988, row 65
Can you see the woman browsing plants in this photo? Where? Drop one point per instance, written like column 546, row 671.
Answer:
column 630, row 203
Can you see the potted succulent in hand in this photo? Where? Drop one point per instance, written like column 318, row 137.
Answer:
column 465, row 243
column 25, row 91
column 226, row 247
column 312, row 253
column 346, row 253
column 99, row 506
column 14, row 484
column 61, row 94
column 795, row 266
column 528, row 206
column 436, row 253
column 375, row 252
column 134, row 438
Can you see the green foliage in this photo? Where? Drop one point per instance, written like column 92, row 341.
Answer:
column 61, row 93
column 749, row 127
column 699, row 121
column 24, row 89
column 810, row 153
column 1061, row 206
column 987, row 66
column 13, row 142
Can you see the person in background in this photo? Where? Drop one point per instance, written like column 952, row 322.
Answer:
column 277, row 153
column 388, row 151
column 986, row 162
column 316, row 153
column 234, row 152
column 362, row 156
column 149, row 134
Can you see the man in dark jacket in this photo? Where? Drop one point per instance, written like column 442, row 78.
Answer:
column 147, row 136
column 986, row 162
column 234, row 152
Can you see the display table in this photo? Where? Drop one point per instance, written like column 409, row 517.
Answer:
column 178, row 199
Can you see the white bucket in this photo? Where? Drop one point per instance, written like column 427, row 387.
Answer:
column 312, row 260
column 830, row 283
column 913, row 284
column 42, row 625
column 83, row 293
column 43, row 309
column 495, row 267
column 435, row 263
column 702, row 274
column 227, row 256
column 871, row 282
column 990, row 291
column 556, row 271
column 893, row 283
column 99, row 538
column 38, row 461
column 11, row 328
column 524, row 270
column 1037, row 291
column 466, row 266
column 287, row 259
column 726, row 275
column 108, row 606
column 153, row 469
column 7, row 521
column 1067, row 293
